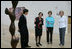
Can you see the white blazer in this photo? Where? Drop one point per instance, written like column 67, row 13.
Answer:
column 62, row 22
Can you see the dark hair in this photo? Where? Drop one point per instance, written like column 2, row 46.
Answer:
column 50, row 12
column 40, row 13
column 25, row 10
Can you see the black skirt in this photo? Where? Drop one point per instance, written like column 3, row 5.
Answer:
column 38, row 32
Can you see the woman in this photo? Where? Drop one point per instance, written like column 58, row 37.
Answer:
column 49, row 26
column 38, row 28
column 62, row 27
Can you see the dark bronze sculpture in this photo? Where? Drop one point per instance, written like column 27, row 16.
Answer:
column 12, row 17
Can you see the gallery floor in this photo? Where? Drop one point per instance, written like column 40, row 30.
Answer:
column 6, row 37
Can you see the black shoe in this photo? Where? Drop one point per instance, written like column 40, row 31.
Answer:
column 40, row 44
column 27, row 46
column 60, row 44
column 48, row 42
column 37, row 45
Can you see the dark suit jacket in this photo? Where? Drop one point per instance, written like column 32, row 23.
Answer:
column 22, row 25
column 37, row 23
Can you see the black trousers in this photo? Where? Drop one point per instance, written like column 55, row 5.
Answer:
column 24, row 39
column 49, row 31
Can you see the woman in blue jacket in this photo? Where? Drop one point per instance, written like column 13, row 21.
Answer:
column 49, row 26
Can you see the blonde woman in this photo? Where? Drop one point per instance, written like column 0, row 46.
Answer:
column 62, row 27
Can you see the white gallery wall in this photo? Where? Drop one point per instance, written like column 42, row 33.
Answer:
column 34, row 8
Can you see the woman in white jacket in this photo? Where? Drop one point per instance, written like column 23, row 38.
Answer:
column 62, row 27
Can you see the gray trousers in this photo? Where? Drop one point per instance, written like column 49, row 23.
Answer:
column 62, row 35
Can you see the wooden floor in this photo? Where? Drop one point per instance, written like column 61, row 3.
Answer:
column 6, row 37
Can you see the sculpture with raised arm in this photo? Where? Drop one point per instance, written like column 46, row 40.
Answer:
column 12, row 17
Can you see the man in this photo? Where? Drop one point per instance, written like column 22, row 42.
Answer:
column 23, row 29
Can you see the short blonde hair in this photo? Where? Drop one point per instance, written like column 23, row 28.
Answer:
column 60, row 12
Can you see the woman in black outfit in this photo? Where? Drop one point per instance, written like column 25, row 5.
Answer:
column 38, row 28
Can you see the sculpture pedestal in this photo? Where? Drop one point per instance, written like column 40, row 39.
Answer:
column 14, row 41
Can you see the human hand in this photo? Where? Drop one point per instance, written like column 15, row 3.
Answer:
column 47, row 29
column 40, row 23
column 48, row 22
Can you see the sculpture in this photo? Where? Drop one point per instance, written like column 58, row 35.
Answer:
column 14, row 40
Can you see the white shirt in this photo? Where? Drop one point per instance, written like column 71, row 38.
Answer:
column 62, row 22
column 24, row 15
